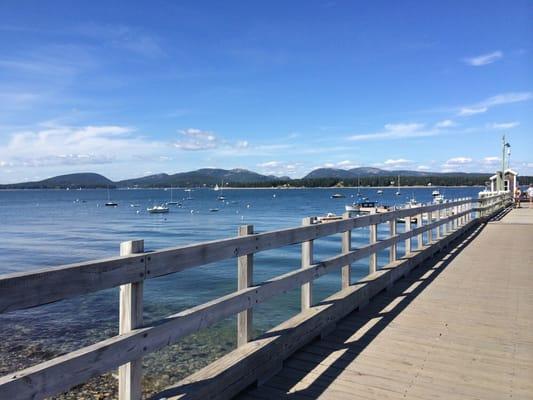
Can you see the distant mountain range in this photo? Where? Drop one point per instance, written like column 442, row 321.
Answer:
column 214, row 176
column 364, row 172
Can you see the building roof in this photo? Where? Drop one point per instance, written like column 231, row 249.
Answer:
column 508, row 171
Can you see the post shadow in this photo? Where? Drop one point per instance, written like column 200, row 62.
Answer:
column 357, row 319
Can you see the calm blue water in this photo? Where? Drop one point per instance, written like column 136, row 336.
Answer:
column 50, row 228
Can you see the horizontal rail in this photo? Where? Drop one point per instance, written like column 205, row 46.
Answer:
column 63, row 372
column 33, row 288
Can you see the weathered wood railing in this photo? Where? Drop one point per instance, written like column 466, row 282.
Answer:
column 124, row 351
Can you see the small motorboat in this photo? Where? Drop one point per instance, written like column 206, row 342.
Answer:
column 161, row 209
column 214, row 210
column 435, row 193
column 221, row 198
column 367, row 207
column 379, row 191
column 338, row 196
column 438, row 199
column 329, row 217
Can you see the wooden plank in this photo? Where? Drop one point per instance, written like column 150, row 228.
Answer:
column 393, row 232
column 245, row 265
column 307, row 261
column 420, row 225
column 131, row 317
column 29, row 289
column 373, row 238
column 408, row 240
column 346, row 248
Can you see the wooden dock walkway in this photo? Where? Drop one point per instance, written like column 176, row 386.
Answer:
column 458, row 327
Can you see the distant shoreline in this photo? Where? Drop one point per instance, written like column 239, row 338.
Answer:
column 254, row 188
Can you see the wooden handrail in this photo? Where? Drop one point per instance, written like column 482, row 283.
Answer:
column 27, row 289
column 63, row 372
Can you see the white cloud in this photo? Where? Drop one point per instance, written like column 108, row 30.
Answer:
column 396, row 131
column 447, row 123
column 491, row 160
column 423, row 168
column 484, row 59
column 459, row 160
column 506, row 98
column 504, row 125
column 269, row 164
column 242, row 144
column 500, row 99
column 196, row 139
column 396, row 163
column 279, row 168
column 467, row 111
column 66, row 145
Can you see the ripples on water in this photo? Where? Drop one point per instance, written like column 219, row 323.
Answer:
column 49, row 228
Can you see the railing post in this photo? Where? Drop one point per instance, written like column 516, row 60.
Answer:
column 454, row 219
column 245, row 267
column 430, row 221
column 444, row 214
column 131, row 317
column 393, row 232
column 437, row 219
column 419, row 223
column 408, row 240
column 373, row 261
column 346, row 248
column 307, row 260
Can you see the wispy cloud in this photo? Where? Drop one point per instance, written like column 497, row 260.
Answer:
column 459, row 160
column 65, row 145
column 447, row 123
column 467, row 111
column 125, row 38
column 456, row 163
column 500, row 99
column 280, row 168
column 396, row 131
column 491, row 160
column 196, row 139
column 484, row 59
column 397, row 162
column 504, row 125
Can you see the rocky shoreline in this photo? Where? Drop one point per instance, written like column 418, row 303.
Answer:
column 161, row 369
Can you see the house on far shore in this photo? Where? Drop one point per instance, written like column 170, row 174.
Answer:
column 510, row 180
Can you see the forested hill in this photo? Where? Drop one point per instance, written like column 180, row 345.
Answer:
column 209, row 177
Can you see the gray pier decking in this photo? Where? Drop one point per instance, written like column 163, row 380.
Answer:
column 458, row 327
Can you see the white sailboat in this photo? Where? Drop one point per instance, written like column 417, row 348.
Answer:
column 110, row 203
column 398, row 193
column 220, row 197
column 216, row 188
column 172, row 202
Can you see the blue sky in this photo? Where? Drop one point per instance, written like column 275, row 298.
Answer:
column 278, row 87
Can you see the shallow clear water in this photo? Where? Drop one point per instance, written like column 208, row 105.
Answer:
column 49, row 228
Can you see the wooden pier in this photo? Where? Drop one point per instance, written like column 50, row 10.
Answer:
column 458, row 300
column 459, row 327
